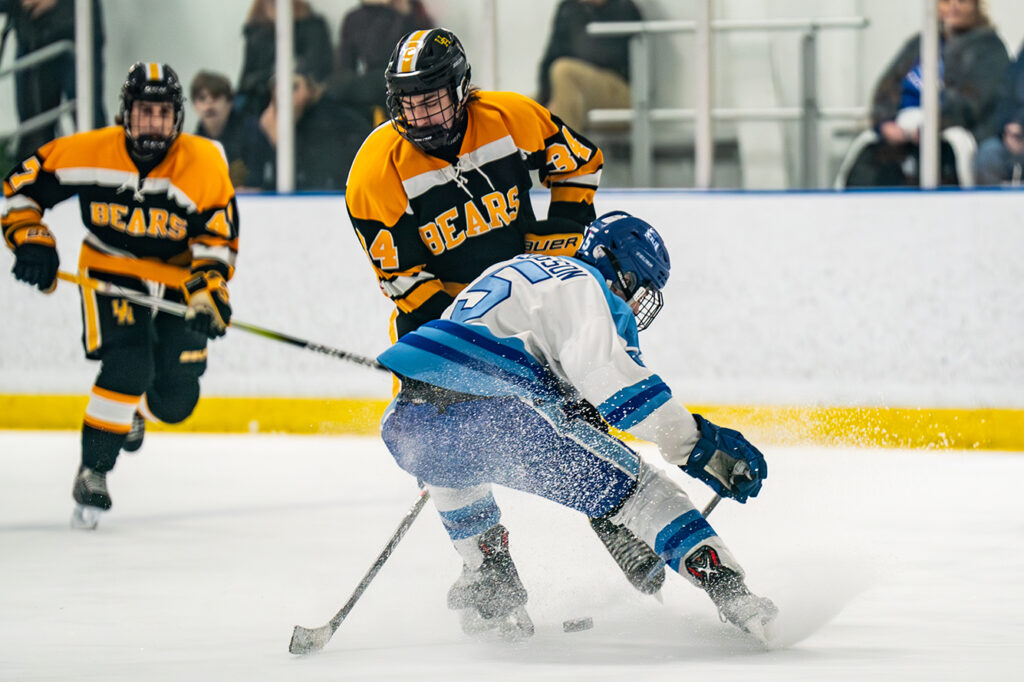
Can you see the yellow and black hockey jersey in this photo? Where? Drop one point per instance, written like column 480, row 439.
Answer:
column 180, row 218
column 430, row 226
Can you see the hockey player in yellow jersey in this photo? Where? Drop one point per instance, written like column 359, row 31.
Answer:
column 160, row 215
column 441, row 191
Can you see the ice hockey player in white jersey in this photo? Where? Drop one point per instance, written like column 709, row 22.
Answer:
column 491, row 394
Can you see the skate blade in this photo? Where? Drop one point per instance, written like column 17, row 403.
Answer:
column 653, row 581
column 85, row 517
column 514, row 626
column 308, row 641
column 760, row 628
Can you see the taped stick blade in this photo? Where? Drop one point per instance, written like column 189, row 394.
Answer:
column 307, row 641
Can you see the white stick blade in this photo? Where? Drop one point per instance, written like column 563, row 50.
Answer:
column 306, row 641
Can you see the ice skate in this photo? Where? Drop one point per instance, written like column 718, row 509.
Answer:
column 736, row 603
column 644, row 569
column 133, row 441
column 90, row 492
column 513, row 626
column 85, row 518
column 491, row 599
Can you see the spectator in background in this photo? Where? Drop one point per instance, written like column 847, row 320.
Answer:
column 327, row 134
column 36, row 24
column 1001, row 157
column 312, row 45
column 368, row 34
column 972, row 62
column 581, row 72
column 246, row 148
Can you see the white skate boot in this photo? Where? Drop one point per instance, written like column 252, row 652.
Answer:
column 736, row 603
column 490, row 598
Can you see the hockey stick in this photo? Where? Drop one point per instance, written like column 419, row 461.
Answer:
column 179, row 309
column 710, row 507
column 310, row 640
column 738, row 469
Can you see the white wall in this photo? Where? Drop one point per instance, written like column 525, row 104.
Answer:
column 899, row 299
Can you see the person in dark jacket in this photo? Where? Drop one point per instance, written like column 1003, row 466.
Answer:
column 327, row 134
column 312, row 45
column 368, row 34
column 1001, row 156
column 972, row 61
column 246, row 148
column 36, row 24
column 580, row 72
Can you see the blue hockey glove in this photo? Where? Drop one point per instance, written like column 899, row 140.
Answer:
column 726, row 461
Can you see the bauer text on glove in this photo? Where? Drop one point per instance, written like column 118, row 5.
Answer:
column 209, row 309
column 726, row 461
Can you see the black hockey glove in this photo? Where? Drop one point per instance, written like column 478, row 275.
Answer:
column 209, row 311
column 581, row 409
column 559, row 225
column 726, row 461
column 36, row 260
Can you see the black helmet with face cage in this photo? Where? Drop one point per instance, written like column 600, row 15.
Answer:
column 428, row 64
column 151, row 82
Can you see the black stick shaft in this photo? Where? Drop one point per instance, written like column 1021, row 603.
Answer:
column 179, row 309
column 399, row 533
column 308, row 345
column 710, row 507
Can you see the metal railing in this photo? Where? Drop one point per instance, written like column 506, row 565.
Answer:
column 84, row 67
column 40, row 56
column 930, row 96
column 284, row 67
column 642, row 115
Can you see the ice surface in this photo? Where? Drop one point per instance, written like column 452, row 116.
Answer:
column 886, row 565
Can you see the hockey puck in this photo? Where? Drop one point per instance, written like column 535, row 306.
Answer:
column 577, row 624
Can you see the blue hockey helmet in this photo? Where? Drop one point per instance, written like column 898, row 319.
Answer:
column 632, row 256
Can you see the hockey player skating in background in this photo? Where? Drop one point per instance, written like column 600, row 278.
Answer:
column 488, row 396
column 161, row 219
column 441, row 192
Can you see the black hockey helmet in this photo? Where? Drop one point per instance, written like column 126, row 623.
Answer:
column 151, row 82
column 428, row 64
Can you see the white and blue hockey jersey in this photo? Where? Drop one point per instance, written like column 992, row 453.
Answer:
column 547, row 329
